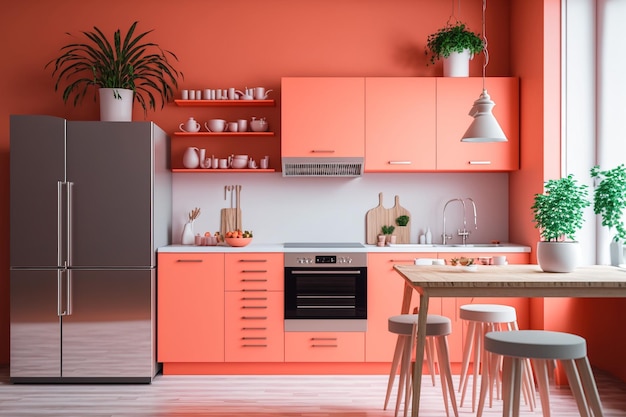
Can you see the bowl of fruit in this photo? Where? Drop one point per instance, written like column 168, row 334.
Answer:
column 238, row 238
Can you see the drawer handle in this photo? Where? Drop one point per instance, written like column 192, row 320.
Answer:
column 249, row 290
column 254, row 338
column 254, row 318
column 400, row 162
column 247, row 345
column 254, row 279
column 402, row 260
column 254, row 271
column 323, row 338
column 189, row 260
column 253, row 260
column 253, row 307
column 254, row 328
column 480, row 162
column 324, row 346
column 254, row 299
column 323, row 151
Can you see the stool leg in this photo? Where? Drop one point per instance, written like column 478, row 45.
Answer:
column 517, row 386
column 507, row 386
column 467, row 351
column 404, row 370
column 541, row 373
column 576, row 386
column 444, row 363
column 397, row 354
column 589, row 385
column 430, row 352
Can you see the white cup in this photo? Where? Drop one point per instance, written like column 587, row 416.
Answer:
column 499, row 260
column 242, row 125
column 264, row 163
column 218, row 94
column 233, row 126
column 223, row 163
column 439, row 261
column 192, row 94
column 206, row 95
column 198, row 94
column 232, row 95
column 184, row 94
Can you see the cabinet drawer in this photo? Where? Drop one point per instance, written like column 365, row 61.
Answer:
column 254, row 327
column 324, row 347
column 254, row 272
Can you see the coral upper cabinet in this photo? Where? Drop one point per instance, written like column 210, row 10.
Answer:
column 455, row 97
column 323, row 117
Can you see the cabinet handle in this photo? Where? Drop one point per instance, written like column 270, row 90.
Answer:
column 247, row 345
column 400, row 162
column 254, row 279
column 253, row 260
column 322, row 151
column 254, row 338
column 248, row 271
column 480, row 162
column 254, row 317
column 189, row 260
column 323, row 338
column 254, row 299
column 255, row 307
column 254, row 328
column 249, row 290
column 318, row 346
column 402, row 260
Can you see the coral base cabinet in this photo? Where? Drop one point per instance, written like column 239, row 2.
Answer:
column 324, row 347
column 385, row 288
column 254, row 313
column 323, row 117
column 190, row 307
column 455, row 97
column 400, row 124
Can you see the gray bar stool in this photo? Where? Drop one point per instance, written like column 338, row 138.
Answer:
column 541, row 347
column 437, row 329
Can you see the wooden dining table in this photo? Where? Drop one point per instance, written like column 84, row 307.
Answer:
column 499, row 281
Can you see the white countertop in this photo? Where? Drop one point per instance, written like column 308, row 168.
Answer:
column 278, row 247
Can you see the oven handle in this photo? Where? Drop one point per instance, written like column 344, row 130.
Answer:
column 325, row 272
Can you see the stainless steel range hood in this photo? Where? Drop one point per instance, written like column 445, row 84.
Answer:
column 322, row 167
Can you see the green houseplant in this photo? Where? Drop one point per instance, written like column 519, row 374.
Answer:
column 609, row 201
column 128, row 63
column 558, row 213
column 451, row 41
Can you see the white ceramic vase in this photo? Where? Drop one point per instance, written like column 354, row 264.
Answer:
column 188, row 237
column 558, row 256
column 457, row 64
column 116, row 105
column 617, row 252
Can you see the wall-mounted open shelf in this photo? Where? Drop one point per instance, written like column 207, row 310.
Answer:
column 223, row 103
column 189, row 134
column 224, row 170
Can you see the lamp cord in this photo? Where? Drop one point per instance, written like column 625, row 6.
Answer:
column 485, row 51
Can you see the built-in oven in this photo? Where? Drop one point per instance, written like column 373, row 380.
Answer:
column 325, row 287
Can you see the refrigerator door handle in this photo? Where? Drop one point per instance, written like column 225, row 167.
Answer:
column 68, row 288
column 68, row 241
column 60, row 223
column 60, row 288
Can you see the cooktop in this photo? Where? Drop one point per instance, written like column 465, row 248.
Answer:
column 337, row 245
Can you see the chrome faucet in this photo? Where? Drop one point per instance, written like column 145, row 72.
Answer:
column 464, row 233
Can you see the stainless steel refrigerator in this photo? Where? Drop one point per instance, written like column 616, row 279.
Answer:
column 90, row 204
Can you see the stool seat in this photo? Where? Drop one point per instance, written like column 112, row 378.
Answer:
column 488, row 313
column 536, row 344
column 542, row 346
column 435, row 325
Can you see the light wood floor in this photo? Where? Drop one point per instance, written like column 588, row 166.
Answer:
column 255, row 396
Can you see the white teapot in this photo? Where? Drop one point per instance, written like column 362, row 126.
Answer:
column 190, row 126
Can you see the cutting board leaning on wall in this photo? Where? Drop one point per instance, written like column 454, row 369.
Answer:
column 380, row 216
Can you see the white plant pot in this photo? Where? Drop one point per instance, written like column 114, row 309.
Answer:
column 617, row 252
column 116, row 105
column 457, row 64
column 558, row 256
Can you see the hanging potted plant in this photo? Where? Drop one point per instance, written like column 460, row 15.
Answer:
column 558, row 213
column 123, row 70
column 456, row 45
column 609, row 201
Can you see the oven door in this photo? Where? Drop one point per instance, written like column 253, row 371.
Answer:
column 326, row 293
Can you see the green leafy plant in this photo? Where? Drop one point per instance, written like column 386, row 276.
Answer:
column 609, row 198
column 387, row 230
column 129, row 63
column 402, row 220
column 558, row 213
column 452, row 38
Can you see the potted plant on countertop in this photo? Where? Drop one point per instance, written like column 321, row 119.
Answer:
column 609, row 201
column 558, row 213
column 388, row 234
column 456, row 45
column 123, row 70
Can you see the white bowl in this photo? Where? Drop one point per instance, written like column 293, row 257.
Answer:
column 215, row 125
column 259, row 125
column 239, row 163
column 241, row 157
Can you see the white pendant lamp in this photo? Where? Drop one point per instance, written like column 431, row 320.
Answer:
column 484, row 127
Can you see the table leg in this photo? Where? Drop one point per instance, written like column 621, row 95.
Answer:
column 406, row 298
column 419, row 353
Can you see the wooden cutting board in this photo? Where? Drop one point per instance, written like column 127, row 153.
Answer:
column 380, row 216
column 231, row 217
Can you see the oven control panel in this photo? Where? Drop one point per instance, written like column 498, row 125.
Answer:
column 312, row 259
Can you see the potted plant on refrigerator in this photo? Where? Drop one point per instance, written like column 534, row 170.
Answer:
column 558, row 213
column 609, row 201
column 456, row 45
column 123, row 70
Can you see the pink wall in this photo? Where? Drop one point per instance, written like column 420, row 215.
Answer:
column 220, row 44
